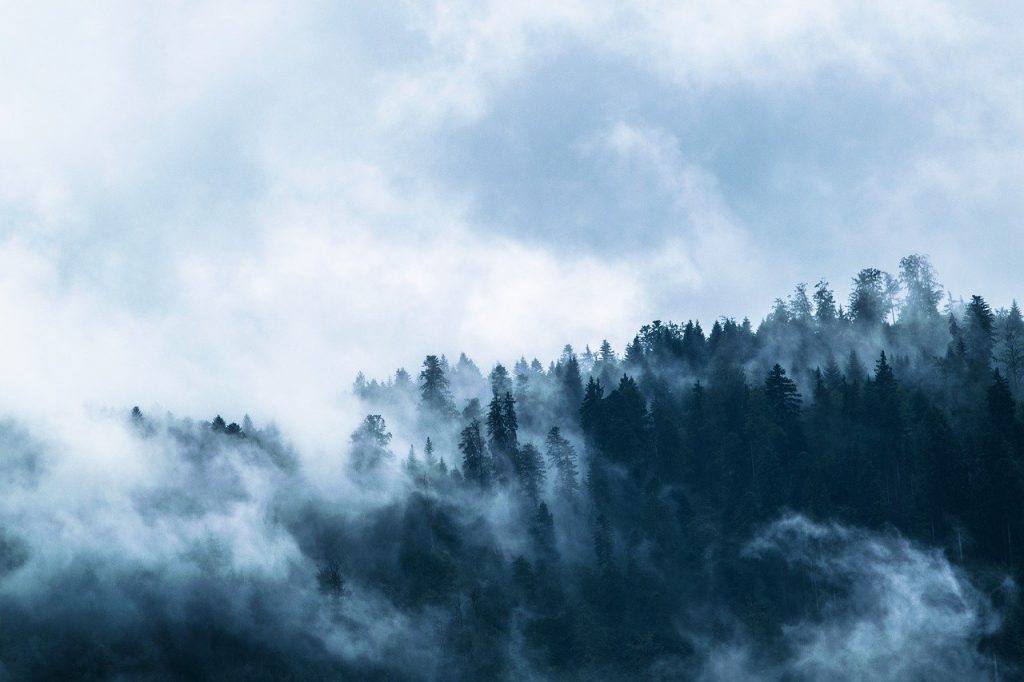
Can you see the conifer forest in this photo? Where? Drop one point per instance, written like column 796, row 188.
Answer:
column 512, row 341
column 834, row 492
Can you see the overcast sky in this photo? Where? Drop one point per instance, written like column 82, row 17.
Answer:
column 234, row 206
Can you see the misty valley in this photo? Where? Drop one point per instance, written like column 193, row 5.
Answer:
column 833, row 493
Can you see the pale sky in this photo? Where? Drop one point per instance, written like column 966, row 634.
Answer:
column 234, row 206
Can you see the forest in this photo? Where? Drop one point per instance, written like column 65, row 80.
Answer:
column 833, row 493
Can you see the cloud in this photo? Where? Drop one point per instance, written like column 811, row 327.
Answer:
column 889, row 610
column 190, row 195
column 279, row 329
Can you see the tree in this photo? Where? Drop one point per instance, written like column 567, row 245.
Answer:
column 501, row 383
column 890, row 294
column 884, row 376
column 783, row 397
column 475, row 468
column 530, row 472
column 978, row 333
column 884, row 399
column 868, row 299
column 590, row 409
column 435, row 394
column 472, row 410
column 369, row 444
column 824, row 303
column 502, row 427
column 634, row 356
column 1012, row 348
column 606, row 366
column 800, row 304
column 412, row 463
column 497, row 433
column 329, row 578
column 854, row 371
column 562, row 458
column 624, row 435
column 1000, row 402
column 587, row 359
column 428, row 454
column 923, row 290
column 780, row 315
column 466, row 378
column 542, row 529
column 572, row 383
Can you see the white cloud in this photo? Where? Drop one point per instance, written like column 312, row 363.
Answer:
column 281, row 328
column 126, row 129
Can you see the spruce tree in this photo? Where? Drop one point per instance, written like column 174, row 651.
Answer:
column 562, row 458
column 475, row 465
column 435, row 394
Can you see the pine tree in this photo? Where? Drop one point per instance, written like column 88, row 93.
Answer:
column 979, row 337
column 412, row 464
column 634, row 356
column 1001, row 403
column 501, row 383
column 475, row 467
column 502, row 428
column 854, row 371
column 530, row 472
column 572, row 384
column 435, row 394
column 542, row 529
column 782, row 394
column 1012, row 348
column 428, row 454
column 562, row 458
column 590, row 409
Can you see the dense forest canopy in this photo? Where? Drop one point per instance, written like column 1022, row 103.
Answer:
column 834, row 494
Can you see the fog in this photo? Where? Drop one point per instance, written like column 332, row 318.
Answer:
column 278, row 214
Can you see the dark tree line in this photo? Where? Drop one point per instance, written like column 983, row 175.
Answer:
column 887, row 413
column 603, row 516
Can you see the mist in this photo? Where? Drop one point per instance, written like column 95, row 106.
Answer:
column 460, row 340
column 678, row 510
